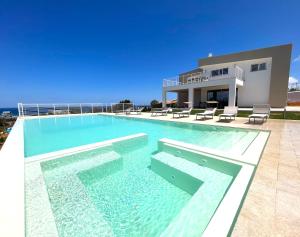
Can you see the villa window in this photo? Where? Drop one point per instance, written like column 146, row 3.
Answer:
column 219, row 72
column 258, row 67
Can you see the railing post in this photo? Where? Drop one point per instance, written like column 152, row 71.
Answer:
column 123, row 107
column 111, row 108
column 54, row 109
column 92, row 108
column 68, row 109
column 80, row 109
column 19, row 109
column 38, row 109
column 102, row 107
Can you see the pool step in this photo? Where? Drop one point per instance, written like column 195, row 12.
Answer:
column 87, row 160
column 76, row 210
column 182, row 170
column 178, row 171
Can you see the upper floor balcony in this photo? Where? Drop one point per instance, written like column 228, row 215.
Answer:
column 205, row 75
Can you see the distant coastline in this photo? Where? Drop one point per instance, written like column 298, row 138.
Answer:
column 14, row 111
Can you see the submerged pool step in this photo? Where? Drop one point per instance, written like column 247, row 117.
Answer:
column 207, row 183
column 180, row 172
column 88, row 161
column 69, row 193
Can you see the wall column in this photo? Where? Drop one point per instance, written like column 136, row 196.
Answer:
column 164, row 98
column 191, row 98
column 232, row 93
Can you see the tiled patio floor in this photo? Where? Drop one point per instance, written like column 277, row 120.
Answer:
column 272, row 205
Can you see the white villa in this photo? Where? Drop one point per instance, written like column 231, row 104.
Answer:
column 251, row 77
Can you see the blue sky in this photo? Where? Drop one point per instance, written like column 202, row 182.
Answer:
column 104, row 51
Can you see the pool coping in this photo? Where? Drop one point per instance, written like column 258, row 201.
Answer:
column 12, row 214
column 155, row 118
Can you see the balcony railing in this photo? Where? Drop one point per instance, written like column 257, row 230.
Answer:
column 199, row 77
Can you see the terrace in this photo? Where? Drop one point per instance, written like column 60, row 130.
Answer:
column 188, row 85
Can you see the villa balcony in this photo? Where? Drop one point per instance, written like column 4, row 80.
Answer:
column 205, row 77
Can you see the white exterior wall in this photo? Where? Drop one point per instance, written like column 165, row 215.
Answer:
column 256, row 86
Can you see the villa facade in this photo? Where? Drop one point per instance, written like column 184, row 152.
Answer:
column 258, row 76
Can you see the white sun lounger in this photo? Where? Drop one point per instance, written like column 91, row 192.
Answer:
column 136, row 111
column 161, row 112
column 210, row 112
column 184, row 113
column 125, row 111
column 261, row 112
column 229, row 113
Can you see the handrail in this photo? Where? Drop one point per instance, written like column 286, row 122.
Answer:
column 70, row 108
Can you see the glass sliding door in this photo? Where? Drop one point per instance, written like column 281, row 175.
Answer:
column 221, row 96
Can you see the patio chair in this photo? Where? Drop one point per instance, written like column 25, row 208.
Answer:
column 261, row 112
column 230, row 113
column 209, row 112
column 161, row 112
column 183, row 113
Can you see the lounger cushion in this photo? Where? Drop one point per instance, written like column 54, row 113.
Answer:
column 205, row 113
column 258, row 116
column 227, row 115
column 182, row 112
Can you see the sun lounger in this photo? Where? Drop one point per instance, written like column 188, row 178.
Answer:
column 183, row 113
column 261, row 112
column 125, row 111
column 136, row 111
column 161, row 112
column 229, row 113
column 210, row 112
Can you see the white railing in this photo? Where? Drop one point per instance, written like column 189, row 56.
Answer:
column 71, row 108
column 239, row 73
column 199, row 77
column 172, row 81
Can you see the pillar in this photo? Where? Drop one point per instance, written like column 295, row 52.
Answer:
column 164, row 99
column 232, row 94
column 191, row 97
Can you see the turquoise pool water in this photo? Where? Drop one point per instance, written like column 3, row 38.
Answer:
column 53, row 134
column 119, row 191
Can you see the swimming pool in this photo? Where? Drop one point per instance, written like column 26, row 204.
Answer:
column 135, row 185
column 53, row 134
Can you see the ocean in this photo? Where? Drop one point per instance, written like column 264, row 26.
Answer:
column 14, row 111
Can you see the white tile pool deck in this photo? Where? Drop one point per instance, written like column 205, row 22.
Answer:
column 272, row 205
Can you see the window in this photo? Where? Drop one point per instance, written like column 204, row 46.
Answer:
column 262, row 66
column 219, row 72
column 258, row 67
